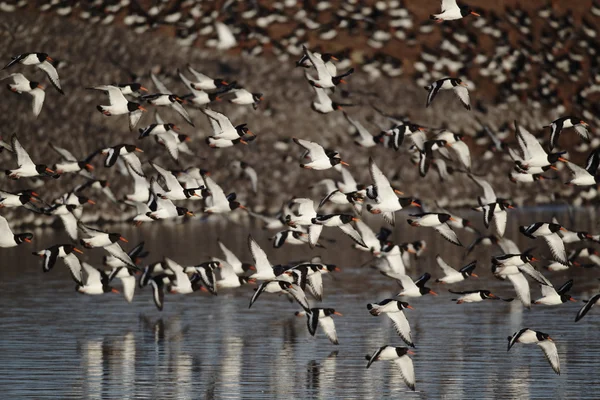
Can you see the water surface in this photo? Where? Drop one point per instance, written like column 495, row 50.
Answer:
column 56, row 343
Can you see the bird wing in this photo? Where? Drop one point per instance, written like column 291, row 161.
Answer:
column 551, row 353
column 89, row 274
column 312, row 321
column 557, row 248
column 531, row 144
column 555, row 131
column 229, row 256
column 314, row 232
column 116, row 251
column 22, row 155
column 448, row 270
column 315, row 285
column 18, row 79
column 448, row 4
column 464, row 155
column 349, row 230
column 522, row 288
column 298, row 295
column 158, row 293
column 322, row 71
column 51, row 73
column 587, row 307
column 576, row 170
column 261, row 288
column 159, row 85
column 169, row 180
column 70, row 223
column 261, row 262
column 64, row 153
column 582, row 131
column 315, row 150
column 565, row 287
column 115, row 96
column 448, row 234
column 548, row 290
column 134, row 117
column 402, row 326
column 434, row 88
column 380, row 181
column 134, row 162
column 74, row 265
column 182, row 111
column 169, row 140
column 407, row 370
column 328, row 326
column 128, row 283
column 364, row 134
column 463, row 95
column 489, row 196
column 322, row 96
column 405, row 280
column 38, row 100
column 534, row 273
column 253, row 177
column 367, row 235
column 500, row 218
column 215, row 190
column 508, row 246
column 218, row 121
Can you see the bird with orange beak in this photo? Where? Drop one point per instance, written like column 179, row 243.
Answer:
column 452, row 11
column 319, row 157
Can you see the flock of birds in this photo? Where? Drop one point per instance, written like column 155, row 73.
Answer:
column 157, row 195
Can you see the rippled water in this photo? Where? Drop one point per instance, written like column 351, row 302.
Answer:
column 57, row 343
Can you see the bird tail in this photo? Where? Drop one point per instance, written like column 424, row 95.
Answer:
column 433, row 17
column 100, row 108
column 427, row 87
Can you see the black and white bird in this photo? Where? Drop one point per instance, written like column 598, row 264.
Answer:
column 172, row 189
column 319, row 157
column 451, row 275
column 41, row 61
column 323, row 103
column 400, row 357
column 529, row 336
column 395, row 310
column 451, row 11
column 26, row 168
column 94, row 281
column 18, row 199
column 206, row 83
column 223, row 128
column 107, row 241
column 127, row 153
column 556, row 127
column 324, row 78
column 460, row 89
column 262, row 265
column 322, row 317
column 119, row 105
column 217, row 202
column 552, row 296
column 474, row 296
column 548, row 232
column 532, row 154
column 410, row 288
column 587, row 306
column 66, row 252
column 386, row 201
column 240, row 268
column 342, row 221
column 34, row 89
column 588, row 175
column 70, row 163
column 437, row 222
column 491, row 206
column 166, row 97
column 426, row 154
column 279, row 286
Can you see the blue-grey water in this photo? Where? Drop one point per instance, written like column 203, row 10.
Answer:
column 56, row 343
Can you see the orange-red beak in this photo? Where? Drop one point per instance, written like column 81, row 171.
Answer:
column 75, row 249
